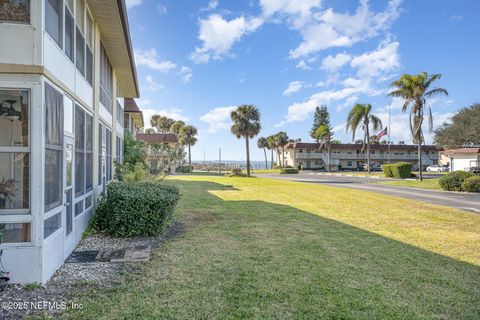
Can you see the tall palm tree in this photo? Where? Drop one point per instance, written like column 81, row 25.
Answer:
column 272, row 146
column 177, row 126
column 187, row 137
column 323, row 135
column 415, row 89
column 246, row 123
column 361, row 115
column 262, row 143
column 281, row 140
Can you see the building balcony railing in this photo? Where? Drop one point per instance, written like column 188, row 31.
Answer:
column 363, row 156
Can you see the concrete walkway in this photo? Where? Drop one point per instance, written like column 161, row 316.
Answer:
column 462, row 201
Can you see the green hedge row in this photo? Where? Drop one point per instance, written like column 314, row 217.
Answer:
column 289, row 171
column 399, row 170
column 135, row 208
column 454, row 181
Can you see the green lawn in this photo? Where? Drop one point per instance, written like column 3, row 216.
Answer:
column 265, row 171
column 425, row 184
column 260, row 248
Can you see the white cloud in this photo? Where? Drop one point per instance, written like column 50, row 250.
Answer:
column 185, row 73
column 150, row 59
column 161, row 9
column 349, row 103
column 333, row 63
column 218, row 36
column 303, row 65
column 298, row 13
column 132, row 3
column 377, row 62
column 173, row 113
column 330, row 29
column 212, row 5
column 293, row 87
column 218, row 118
column 152, row 85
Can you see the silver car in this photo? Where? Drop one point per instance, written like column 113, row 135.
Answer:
column 437, row 168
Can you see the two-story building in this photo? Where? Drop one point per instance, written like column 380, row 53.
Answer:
column 65, row 67
column 133, row 117
column 157, row 156
column 309, row 156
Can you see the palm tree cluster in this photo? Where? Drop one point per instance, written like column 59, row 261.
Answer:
column 275, row 142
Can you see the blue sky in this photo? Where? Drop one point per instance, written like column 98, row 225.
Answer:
column 196, row 60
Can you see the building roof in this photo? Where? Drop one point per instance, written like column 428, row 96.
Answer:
column 130, row 106
column 111, row 16
column 349, row 146
column 157, row 137
column 462, row 151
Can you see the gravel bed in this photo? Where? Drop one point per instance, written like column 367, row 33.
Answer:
column 72, row 278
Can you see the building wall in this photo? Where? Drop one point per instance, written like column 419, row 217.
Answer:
column 31, row 61
column 463, row 162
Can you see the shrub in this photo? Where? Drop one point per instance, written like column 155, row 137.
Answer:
column 236, row 173
column 136, row 173
column 471, row 184
column 135, row 209
column 401, row 170
column 387, row 170
column 289, row 171
column 183, row 169
column 453, row 181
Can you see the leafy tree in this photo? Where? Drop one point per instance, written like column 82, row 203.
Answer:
column 134, row 151
column 246, row 123
column 187, row 137
column 164, row 158
column 336, row 141
column 415, row 90
column 463, row 130
column 163, row 124
column 373, row 140
column 320, row 118
column 281, row 140
column 262, row 143
column 361, row 116
column 323, row 135
column 149, row 130
column 272, row 146
column 177, row 126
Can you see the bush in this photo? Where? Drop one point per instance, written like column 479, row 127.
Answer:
column 387, row 170
column 401, row 170
column 183, row 169
column 237, row 173
column 133, row 209
column 453, row 181
column 136, row 173
column 289, row 171
column 471, row 184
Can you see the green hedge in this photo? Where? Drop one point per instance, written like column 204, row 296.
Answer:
column 402, row 170
column 387, row 170
column 453, row 181
column 183, row 169
column 289, row 171
column 135, row 209
column 471, row 184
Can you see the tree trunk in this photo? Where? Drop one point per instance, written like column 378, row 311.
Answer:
column 190, row 158
column 368, row 150
column 266, row 161
column 247, row 148
column 283, row 157
column 420, row 176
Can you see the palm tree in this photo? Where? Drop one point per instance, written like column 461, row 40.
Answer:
column 361, row 115
column 246, row 123
column 415, row 89
column 272, row 146
column 281, row 140
column 323, row 135
column 187, row 137
column 177, row 126
column 262, row 143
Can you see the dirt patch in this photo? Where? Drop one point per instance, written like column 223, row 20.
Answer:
column 198, row 216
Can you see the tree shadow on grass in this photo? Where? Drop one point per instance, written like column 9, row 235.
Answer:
column 257, row 259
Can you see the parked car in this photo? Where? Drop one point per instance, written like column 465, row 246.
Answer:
column 373, row 167
column 437, row 168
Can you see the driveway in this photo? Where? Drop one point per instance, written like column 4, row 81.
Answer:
column 462, row 201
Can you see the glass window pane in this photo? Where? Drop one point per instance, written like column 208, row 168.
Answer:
column 89, row 30
column 88, row 202
column 106, row 86
column 80, row 53
column 80, row 14
column 69, row 35
column 14, row 180
column 69, row 164
column 14, row 118
column 79, row 151
column 100, row 157
column 53, row 179
column 89, row 66
column 89, row 153
column 15, row 11
column 51, row 225
column 16, row 232
column 53, row 117
column 70, row 4
column 53, row 19
column 68, row 114
column 78, row 208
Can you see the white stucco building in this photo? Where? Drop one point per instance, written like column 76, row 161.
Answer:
column 463, row 159
column 65, row 66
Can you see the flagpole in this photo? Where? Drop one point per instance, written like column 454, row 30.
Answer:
column 389, row 129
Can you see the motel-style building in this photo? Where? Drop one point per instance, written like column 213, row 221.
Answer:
column 65, row 67
column 346, row 156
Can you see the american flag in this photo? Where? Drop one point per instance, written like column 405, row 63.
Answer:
column 382, row 133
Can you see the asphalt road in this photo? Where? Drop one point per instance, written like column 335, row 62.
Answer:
column 462, row 201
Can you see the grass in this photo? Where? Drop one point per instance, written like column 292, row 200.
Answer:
column 265, row 171
column 260, row 248
column 431, row 184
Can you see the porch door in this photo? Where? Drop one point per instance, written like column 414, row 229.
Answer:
column 68, row 187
